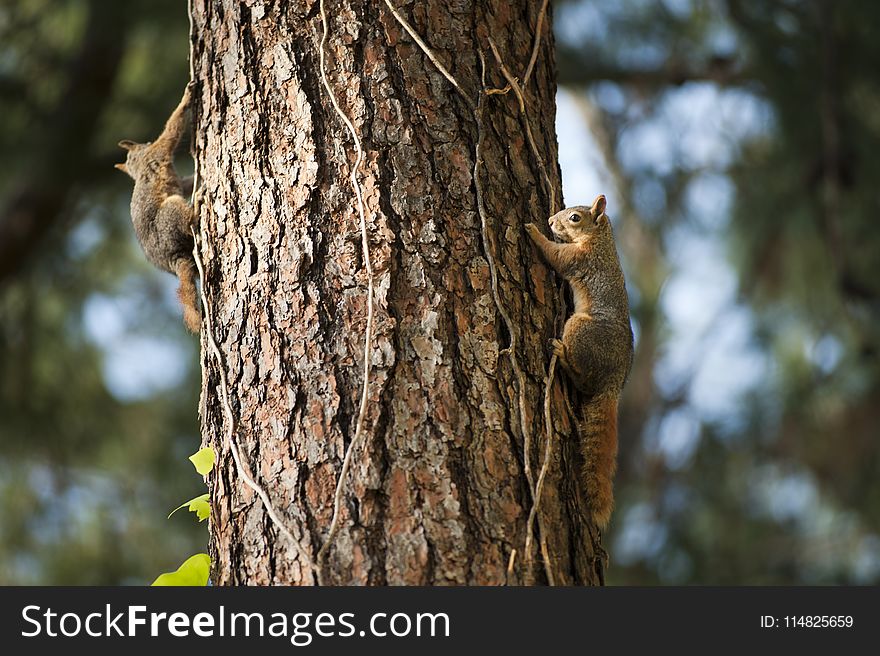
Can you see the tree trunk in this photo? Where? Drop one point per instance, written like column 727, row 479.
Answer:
column 437, row 491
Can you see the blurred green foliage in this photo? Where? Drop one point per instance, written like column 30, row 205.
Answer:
column 737, row 141
column 742, row 136
column 90, row 464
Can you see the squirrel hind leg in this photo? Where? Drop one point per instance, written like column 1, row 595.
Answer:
column 188, row 294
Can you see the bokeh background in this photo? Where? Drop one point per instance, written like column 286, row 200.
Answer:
column 737, row 141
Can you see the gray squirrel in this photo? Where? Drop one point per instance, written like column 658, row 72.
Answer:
column 161, row 214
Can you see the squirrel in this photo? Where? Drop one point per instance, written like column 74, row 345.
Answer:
column 162, row 217
column 596, row 350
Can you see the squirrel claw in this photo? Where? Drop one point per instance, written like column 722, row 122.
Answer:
column 188, row 93
column 558, row 347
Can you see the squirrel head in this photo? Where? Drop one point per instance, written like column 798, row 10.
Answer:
column 138, row 159
column 580, row 223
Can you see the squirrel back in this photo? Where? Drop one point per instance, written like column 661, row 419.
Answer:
column 596, row 350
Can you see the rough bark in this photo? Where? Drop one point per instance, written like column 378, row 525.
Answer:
column 437, row 494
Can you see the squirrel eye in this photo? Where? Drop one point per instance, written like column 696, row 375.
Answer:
column 574, row 217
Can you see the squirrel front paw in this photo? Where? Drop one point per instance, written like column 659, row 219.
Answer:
column 558, row 347
column 188, row 93
column 533, row 231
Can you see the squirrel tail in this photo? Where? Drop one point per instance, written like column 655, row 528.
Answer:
column 187, row 293
column 598, row 433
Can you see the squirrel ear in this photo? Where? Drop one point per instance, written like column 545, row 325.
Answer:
column 126, row 144
column 598, row 208
column 121, row 167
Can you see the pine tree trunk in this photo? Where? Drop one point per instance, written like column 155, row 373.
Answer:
column 437, row 492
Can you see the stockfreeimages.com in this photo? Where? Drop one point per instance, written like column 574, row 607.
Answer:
column 299, row 628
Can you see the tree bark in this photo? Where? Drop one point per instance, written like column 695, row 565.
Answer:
column 437, row 492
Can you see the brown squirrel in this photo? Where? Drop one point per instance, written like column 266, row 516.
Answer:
column 162, row 217
column 596, row 350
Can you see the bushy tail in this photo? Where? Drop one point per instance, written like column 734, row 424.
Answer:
column 188, row 294
column 598, row 433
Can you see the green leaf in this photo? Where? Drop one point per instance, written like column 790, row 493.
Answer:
column 199, row 506
column 203, row 460
column 194, row 571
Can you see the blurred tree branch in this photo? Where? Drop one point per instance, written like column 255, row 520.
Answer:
column 39, row 197
column 578, row 67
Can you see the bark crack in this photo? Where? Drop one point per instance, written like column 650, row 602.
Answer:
column 513, row 330
column 231, row 424
column 368, row 332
